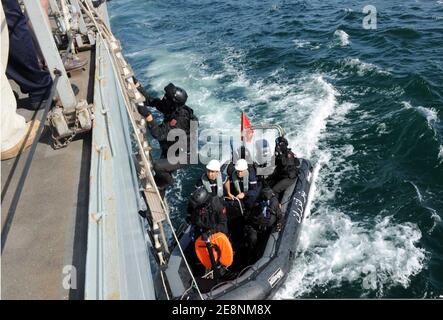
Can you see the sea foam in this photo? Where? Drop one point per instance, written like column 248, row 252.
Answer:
column 342, row 37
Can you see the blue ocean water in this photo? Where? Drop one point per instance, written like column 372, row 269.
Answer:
column 365, row 104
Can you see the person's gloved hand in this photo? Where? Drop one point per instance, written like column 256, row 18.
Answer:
column 144, row 111
column 143, row 91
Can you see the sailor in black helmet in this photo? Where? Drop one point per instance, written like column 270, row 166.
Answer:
column 176, row 115
column 286, row 167
column 206, row 212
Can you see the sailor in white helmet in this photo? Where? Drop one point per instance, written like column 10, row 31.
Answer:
column 213, row 180
column 241, row 189
column 243, row 184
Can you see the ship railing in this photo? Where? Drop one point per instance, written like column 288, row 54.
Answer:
column 266, row 126
column 158, row 209
column 70, row 115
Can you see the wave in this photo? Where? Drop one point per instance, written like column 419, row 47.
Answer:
column 430, row 114
column 420, row 197
column 382, row 129
column 338, row 251
column 137, row 53
column 433, row 123
column 440, row 154
column 335, row 250
column 304, row 105
column 342, row 37
column 275, row 7
column 407, row 105
column 319, row 96
column 402, row 32
column 363, row 68
column 434, row 214
column 299, row 43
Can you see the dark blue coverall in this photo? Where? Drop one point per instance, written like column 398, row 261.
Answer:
column 23, row 66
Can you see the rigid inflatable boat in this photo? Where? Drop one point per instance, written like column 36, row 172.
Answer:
column 257, row 281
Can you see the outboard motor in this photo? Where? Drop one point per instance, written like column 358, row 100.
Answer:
column 263, row 152
column 264, row 161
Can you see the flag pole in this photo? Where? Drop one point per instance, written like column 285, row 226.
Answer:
column 242, row 149
column 242, row 126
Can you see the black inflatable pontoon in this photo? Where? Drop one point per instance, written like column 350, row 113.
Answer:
column 259, row 280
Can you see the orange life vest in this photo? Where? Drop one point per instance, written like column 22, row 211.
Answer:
column 221, row 249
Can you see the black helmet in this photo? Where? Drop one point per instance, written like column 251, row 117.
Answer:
column 281, row 141
column 176, row 94
column 281, row 145
column 199, row 197
column 267, row 193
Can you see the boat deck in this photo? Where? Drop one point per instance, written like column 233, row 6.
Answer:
column 47, row 231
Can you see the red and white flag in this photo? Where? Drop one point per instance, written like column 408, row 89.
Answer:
column 246, row 128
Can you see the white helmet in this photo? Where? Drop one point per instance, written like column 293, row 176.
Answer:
column 213, row 165
column 241, row 165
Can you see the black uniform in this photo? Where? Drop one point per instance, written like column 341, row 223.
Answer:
column 209, row 216
column 237, row 209
column 286, row 167
column 23, row 66
column 178, row 119
column 265, row 214
column 176, row 115
column 263, row 217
